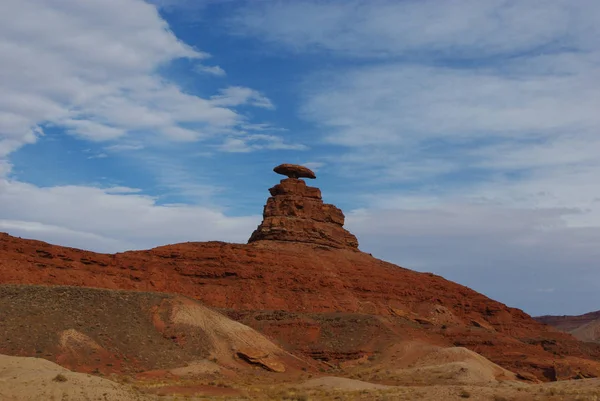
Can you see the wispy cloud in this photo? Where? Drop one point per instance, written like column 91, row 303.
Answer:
column 124, row 147
column 211, row 70
column 98, row 156
column 237, row 95
column 113, row 219
column 249, row 143
column 315, row 166
column 388, row 28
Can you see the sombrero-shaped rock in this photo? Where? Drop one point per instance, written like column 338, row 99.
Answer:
column 294, row 171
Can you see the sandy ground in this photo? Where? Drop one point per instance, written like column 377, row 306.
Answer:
column 23, row 379
column 341, row 383
column 334, row 388
column 226, row 336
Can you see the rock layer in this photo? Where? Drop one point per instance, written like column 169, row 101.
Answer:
column 316, row 296
column 295, row 212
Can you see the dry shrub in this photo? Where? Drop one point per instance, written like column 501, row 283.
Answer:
column 60, row 378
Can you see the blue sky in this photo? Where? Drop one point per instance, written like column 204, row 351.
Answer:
column 459, row 137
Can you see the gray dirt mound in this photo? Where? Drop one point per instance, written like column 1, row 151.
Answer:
column 107, row 331
column 588, row 332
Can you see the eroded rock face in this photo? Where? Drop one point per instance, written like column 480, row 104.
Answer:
column 295, row 212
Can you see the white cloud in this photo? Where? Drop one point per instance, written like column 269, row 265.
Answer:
column 519, row 131
column 98, row 156
column 261, row 127
column 315, row 166
column 186, row 5
column 62, row 236
column 91, row 130
column 400, row 104
column 5, row 168
column 237, row 95
column 252, row 142
column 124, row 147
column 212, row 70
column 121, row 190
column 111, row 220
column 91, row 68
column 235, row 145
column 388, row 28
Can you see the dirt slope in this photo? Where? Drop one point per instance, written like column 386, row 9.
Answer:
column 588, row 332
column 583, row 327
column 303, row 281
column 107, row 331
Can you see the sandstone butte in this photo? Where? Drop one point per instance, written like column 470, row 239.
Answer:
column 302, row 268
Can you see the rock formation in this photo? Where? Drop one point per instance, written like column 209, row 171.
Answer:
column 330, row 304
column 294, row 171
column 295, row 212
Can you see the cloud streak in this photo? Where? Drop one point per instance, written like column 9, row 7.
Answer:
column 111, row 219
column 384, row 28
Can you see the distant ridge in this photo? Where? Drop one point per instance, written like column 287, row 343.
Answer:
column 584, row 327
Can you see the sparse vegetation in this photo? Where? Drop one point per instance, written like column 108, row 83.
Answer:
column 60, row 378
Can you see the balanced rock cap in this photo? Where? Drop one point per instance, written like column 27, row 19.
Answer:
column 294, row 171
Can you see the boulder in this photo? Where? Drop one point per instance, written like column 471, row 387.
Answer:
column 261, row 358
column 294, row 171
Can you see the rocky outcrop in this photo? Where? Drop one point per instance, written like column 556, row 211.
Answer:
column 295, row 212
column 261, row 358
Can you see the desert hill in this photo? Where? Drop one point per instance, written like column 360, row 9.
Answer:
column 302, row 281
column 584, row 327
column 157, row 339
column 155, row 346
column 109, row 331
column 290, row 291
